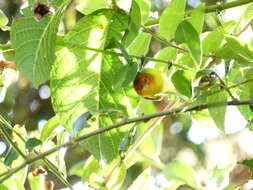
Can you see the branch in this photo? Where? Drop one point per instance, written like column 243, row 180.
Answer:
column 117, row 125
column 47, row 162
column 209, row 9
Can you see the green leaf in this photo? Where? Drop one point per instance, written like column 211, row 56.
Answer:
column 185, row 60
column 77, row 168
column 247, row 14
column 32, row 143
column 117, row 177
column 10, row 157
column 93, row 26
column 197, row 18
column 154, row 140
column 167, row 53
column 87, row 7
column 218, row 113
column 141, row 183
column 127, row 75
column 248, row 163
column 145, row 6
column 220, row 174
column 244, row 109
column 212, row 41
column 248, row 87
column 240, row 48
column 3, row 187
column 91, row 166
column 203, row 72
column 140, row 45
column 89, row 80
column 133, row 25
column 182, row 82
column 34, row 44
column 31, row 3
column 186, row 33
column 181, row 173
column 48, row 131
column 171, row 17
column 3, row 19
column 35, row 182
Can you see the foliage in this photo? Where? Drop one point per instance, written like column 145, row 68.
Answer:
column 90, row 67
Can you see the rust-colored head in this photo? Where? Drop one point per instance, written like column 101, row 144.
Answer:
column 149, row 82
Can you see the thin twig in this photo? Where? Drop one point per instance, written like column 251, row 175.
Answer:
column 209, row 9
column 133, row 56
column 120, row 124
column 245, row 27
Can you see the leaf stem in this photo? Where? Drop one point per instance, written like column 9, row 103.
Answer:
column 134, row 56
column 117, row 125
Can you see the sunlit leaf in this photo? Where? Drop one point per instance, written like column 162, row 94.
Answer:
column 218, row 112
column 145, row 6
column 171, row 17
column 141, row 182
column 89, row 80
column 212, row 41
column 140, row 45
column 240, row 48
column 34, row 44
column 86, row 6
column 91, row 166
column 181, row 173
column 186, row 33
column 48, row 130
column 197, row 18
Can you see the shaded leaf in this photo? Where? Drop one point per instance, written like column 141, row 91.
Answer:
column 81, row 122
column 133, row 25
column 10, row 157
column 182, row 82
column 187, row 34
column 171, row 17
column 127, row 75
column 32, row 143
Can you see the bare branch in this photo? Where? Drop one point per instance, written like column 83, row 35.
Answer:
column 117, row 125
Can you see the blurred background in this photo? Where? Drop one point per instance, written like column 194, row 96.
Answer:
column 197, row 143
